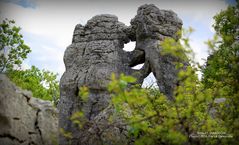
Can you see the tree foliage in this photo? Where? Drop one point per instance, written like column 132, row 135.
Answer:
column 13, row 50
column 43, row 84
column 222, row 68
column 226, row 25
column 190, row 118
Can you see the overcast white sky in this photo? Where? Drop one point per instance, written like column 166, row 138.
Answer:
column 47, row 25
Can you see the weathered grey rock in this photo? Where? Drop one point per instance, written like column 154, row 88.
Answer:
column 214, row 110
column 95, row 53
column 25, row 120
column 106, row 128
column 151, row 26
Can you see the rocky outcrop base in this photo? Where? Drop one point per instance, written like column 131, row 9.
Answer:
column 25, row 120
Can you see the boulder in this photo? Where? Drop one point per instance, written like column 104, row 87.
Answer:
column 25, row 120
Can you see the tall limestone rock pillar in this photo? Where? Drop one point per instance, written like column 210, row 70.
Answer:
column 95, row 53
column 151, row 26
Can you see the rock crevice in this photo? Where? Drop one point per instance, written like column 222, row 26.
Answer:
column 13, row 138
column 37, row 127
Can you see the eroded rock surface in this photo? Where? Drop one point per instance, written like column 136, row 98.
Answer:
column 95, row 53
column 25, row 120
column 151, row 26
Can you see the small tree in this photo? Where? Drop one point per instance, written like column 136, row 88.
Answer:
column 222, row 69
column 12, row 48
column 153, row 119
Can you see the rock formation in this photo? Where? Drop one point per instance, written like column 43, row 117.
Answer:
column 152, row 26
column 95, row 53
column 25, row 120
